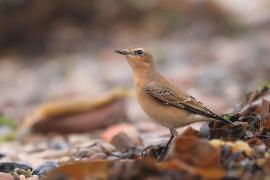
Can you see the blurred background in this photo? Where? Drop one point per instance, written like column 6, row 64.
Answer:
column 216, row 50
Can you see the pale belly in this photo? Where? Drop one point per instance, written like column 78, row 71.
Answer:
column 166, row 115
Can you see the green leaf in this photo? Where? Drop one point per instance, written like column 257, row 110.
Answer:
column 7, row 138
column 227, row 116
column 5, row 121
column 263, row 84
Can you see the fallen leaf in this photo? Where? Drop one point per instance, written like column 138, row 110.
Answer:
column 195, row 152
column 82, row 170
column 77, row 115
column 266, row 113
column 181, row 166
column 190, row 132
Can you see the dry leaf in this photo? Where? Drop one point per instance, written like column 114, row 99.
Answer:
column 204, row 172
column 78, row 115
column 195, row 152
column 82, row 170
column 190, row 132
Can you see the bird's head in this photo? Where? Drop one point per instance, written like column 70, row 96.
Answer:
column 138, row 58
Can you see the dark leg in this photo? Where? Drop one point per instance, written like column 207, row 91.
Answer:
column 165, row 149
column 174, row 131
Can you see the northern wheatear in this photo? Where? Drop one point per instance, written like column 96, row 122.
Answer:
column 162, row 101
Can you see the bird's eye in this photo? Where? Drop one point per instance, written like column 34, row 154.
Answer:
column 139, row 52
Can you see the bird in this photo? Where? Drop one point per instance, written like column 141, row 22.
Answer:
column 160, row 99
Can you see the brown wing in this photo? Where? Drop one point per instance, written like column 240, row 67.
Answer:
column 179, row 99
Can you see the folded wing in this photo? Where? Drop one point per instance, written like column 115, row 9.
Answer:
column 180, row 99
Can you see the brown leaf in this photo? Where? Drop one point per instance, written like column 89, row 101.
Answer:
column 195, row 152
column 206, row 173
column 254, row 141
column 254, row 95
column 77, row 115
column 190, row 132
column 266, row 141
column 128, row 169
column 265, row 106
column 82, row 170
column 267, row 165
column 254, row 100
column 266, row 113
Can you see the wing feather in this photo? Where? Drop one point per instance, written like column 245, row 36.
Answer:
column 180, row 99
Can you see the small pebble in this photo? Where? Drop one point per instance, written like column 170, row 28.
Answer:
column 10, row 166
column 245, row 162
column 64, row 159
column 129, row 129
column 107, row 147
column 27, row 173
column 122, row 141
column 261, row 148
column 34, row 177
column 22, row 177
column 58, row 144
column 5, row 176
column 85, row 152
column 98, row 156
column 110, row 158
column 204, row 131
column 44, row 168
column 2, row 155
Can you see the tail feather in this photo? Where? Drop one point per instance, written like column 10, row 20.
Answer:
column 221, row 119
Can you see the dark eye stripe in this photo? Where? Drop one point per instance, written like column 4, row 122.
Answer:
column 139, row 52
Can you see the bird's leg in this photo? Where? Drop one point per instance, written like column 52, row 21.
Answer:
column 173, row 134
column 166, row 147
column 174, row 131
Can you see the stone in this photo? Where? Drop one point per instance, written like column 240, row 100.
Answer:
column 112, row 158
column 58, row 143
column 2, row 155
column 107, row 148
column 64, row 160
column 10, row 166
column 98, row 156
column 85, row 152
column 6, row 176
column 122, row 141
column 19, row 172
column 44, row 168
column 129, row 129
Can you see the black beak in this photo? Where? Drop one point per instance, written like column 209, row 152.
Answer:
column 123, row 52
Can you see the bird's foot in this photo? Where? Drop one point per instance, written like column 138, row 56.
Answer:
column 166, row 147
column 163, row 153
